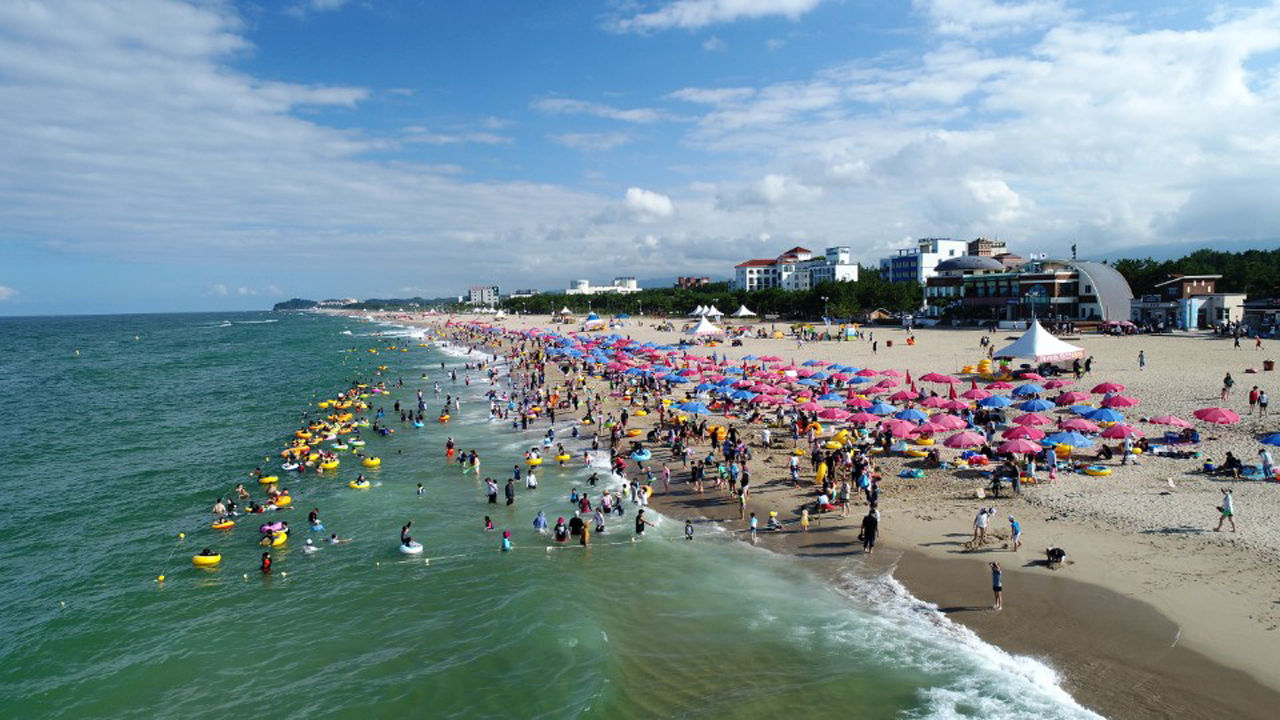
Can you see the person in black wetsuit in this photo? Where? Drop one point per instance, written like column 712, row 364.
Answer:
column 641, row 522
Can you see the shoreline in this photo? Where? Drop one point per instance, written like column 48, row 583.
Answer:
column 1138, row 626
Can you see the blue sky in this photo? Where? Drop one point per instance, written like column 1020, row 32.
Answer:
column 167, row 155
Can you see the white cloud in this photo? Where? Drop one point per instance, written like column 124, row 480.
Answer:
column 775, row 44
column 593, row 141
column 566, row 106
column 967, row 17
column 305, row 7
column 694, row 14
column 7, row 293
column 714, row 44
column 274, row 290
column 773, row 190
column 713, row 96
column 648, row 205
column 419, row 134
column 220, row 289
column 245, row 291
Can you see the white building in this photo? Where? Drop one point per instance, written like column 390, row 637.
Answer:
column 917, row 264
column 620, row 286
column 796, row 269
column 482, row 295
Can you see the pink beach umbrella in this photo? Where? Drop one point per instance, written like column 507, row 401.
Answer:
column 1057, row 383
column 1119, row 401
column 809, row 407
column 1121, row 431
column 859, row 402
column 902, row 395
column 891, row 373
column 1107, row 387
column 938, row 378
column 866, row 372
column 1173, row 420
column 934, row 401
column 834, row 414
column 1217, row 415
column 964, row 440
column 976, row 394
column 901, row 428
column 948, row 422
column 1023, row 432
column 1032, row 377
column 886, row 384
column 862, row 418
column 1019, row 447
column 1033, row 419
column 956, row 405
column 1074, row 397
column 999, row 385
column 1080, row 424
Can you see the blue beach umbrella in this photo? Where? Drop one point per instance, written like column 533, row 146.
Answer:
column 1028, row 389
column 1074, row 439
column 995, row 401
column 742, row 395
column 733, row 371
column 1035, row 406
column 1272, row 439
column 1104, row 415
column 831, row 397
column 1082, row 410
column 881, row 408
column 911, row 414
column 750, row 357
column 807, row 381
column 696, row 408
column 810, row 363
column 703, row 387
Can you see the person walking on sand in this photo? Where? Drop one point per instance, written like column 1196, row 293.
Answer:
column 1142, row 360
column 1228, row 511
column 1262, row 402
column 1015, row 534
column 870, row 528
column 997, row 586
column 1227, row 384
column 980, row 527
column 1253, row 398
column 1268, row 465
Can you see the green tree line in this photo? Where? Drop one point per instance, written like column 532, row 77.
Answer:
column 1255, row 272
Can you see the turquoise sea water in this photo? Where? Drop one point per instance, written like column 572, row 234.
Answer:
column 115, row 451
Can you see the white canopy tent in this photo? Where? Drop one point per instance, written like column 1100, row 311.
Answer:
column 1039, row 345
column 704, row 328
column 712, row 312
column 565, row 311
column 698, row 312
column 742, row 311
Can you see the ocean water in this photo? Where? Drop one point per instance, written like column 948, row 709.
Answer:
column 124, row 429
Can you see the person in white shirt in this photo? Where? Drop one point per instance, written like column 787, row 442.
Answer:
column 1228, row 511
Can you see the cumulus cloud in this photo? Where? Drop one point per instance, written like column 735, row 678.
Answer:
column 648, row 205
column 773, row 190
column 967, row 17
column 220, row 289
column 420, row 134
column 694, row 14
column 714, row 44
column 7, row 293
column 593, row 141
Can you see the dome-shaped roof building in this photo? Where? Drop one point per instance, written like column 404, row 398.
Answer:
column 969, row 264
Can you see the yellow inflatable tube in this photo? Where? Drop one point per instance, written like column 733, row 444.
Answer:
column 372, row 462
column 268, row 479
column 205, row 560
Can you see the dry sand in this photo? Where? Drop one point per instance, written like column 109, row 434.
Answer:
column 1155, row 611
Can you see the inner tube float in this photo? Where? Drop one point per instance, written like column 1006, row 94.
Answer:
column 413, row 548
column 533, row 461
column 634, row 432
column 359, row 485
column 331, row 465
column 641, row 455
column 443, row 419
column 586, row 421
column 799, row 451
column 563, row 457
column 641, row 413
column 224, row 524
column 318, row 527
column 924, row 441
column 269, row 479
column 205, row 560
column 279, row 539
column 916, row 453
column 339, row 446
column 357, row 443
column 272, row 527
column 371, row 462
column 283, row 501
column 1097, row 470
column 289, row 467
column 832, row 445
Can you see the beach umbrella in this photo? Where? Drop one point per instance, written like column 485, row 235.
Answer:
column 1107, row 387
column 1033, row 419
column 1217, row 415
column 964, row 440
column 1057, row 383
column 1120, row 401
column 999, row 385
column 929, row 427
column 696, row 408
column 1072, row 438
column 770, row 358
column 1173, row 420
column 1272, row 439
column 886, row 384
column 1082, row 409
column 948, row 422
column 831, row 397
column 901, row 428
column 976, row 394
column 934, row 401
column 881, row 408
column 862, row 418
column 1071, row 398
column 955, row 405
column 903, row 395
column 809, row 407
column 1023, row 432
column 938, row 378
column 857, row 401
column 911, row 414
column 891, row 373
column 703, row 387
column 1019, row 447
column 1081, row 425
column 1116, row 432
column 1035, row 405
column 1028, row 389
column 742, row 395
column 995, row 401
column 866, row 372
column 1105, row 415
column 834, row 414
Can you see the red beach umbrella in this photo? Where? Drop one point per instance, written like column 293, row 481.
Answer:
column 938, row 378
column 1116, row 401
column 1023, row 432
column 1217, row 415
column 1107, row 387
column 1019, row 447
column 1173, row 420
column 934, row 401
column 1074, row 397
column 956, row 405
column 834, row 414
column 948, row 422
column 1121, row 431
column 862, row 418
column 1080, row 424
column 1033, row 419
column 1057, row 383
column 857, row 401
column 999, row 385
column 975, row 394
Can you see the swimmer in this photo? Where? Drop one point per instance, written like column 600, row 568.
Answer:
column 241, row 493
column 313, row 517
column 540, row 523
column 421, row 490
column 488, row 524
column 309, row 547
column 506, row 541
column 561, row 531
column 265, row 567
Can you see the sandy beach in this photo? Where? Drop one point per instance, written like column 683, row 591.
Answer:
column 1154, row 615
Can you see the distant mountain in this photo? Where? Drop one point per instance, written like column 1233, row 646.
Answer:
column 295, row 304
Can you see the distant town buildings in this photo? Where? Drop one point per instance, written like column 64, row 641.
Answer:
column 1188, row 302
column 692, row 282
column 337, row 302
column 796, row 269
column 985, row 288
column 486, row 295
column 620, row 286
column 916, row 264
column 529, row 292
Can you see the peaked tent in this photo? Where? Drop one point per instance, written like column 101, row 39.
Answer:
column 712, row 312
column 704, row 327
column 565, row 311
column 698, row 312
column 742, row 311
column 1039, row 345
